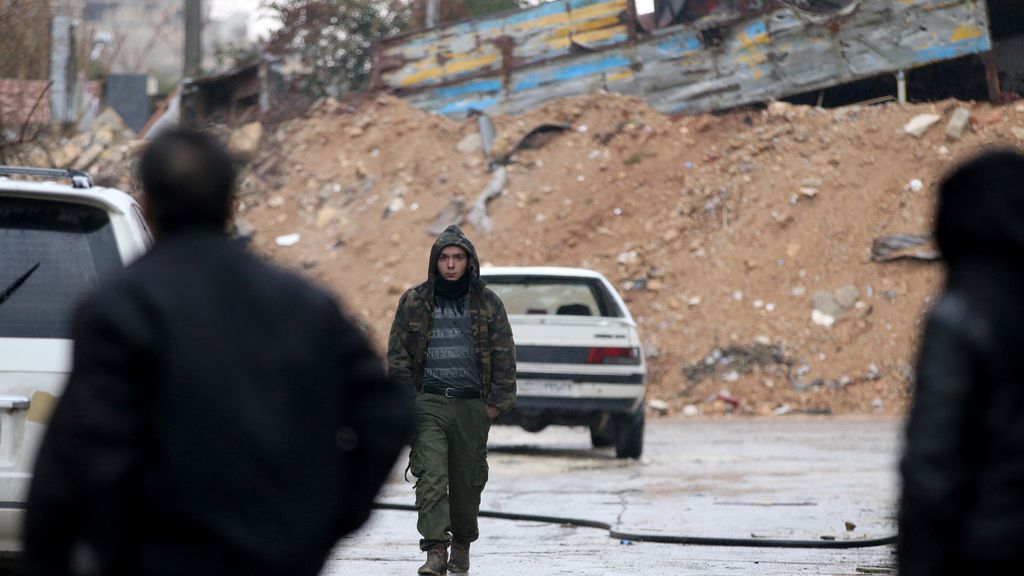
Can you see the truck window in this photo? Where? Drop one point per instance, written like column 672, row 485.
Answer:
column 51, row 252
column 545, row 295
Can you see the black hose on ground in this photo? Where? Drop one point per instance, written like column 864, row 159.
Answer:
column 665, row 538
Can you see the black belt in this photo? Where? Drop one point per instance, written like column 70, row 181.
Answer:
column 452, row 392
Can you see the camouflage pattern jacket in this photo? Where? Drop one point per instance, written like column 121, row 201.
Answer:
column 492, row 334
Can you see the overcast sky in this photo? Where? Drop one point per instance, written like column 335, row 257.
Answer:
column 257, row 25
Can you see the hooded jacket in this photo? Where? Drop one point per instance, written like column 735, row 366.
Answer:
column 492, row 335
column 962, row 507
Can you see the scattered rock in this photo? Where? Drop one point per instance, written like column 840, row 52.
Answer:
column 826, row 309
column 397, row 204
column 245, row 141
column 919, row 125
column 846, row 297
column 628, row 258
column 244, row 228
column 659, row 407
column 276, row 201
column 109, row 118
column 471, row 144
column 993, row 116
column 691, row 410
column 288, row 240
column 326, row 216
column 958, row 123
column 782, row 410
column 1018, row 133
column 89, row 157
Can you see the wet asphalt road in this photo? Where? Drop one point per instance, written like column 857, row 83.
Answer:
column 780, row 478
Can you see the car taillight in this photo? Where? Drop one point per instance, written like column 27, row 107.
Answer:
column 613, row 356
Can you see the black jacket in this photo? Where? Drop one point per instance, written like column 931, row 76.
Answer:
column 221, row 417
column 962, row 508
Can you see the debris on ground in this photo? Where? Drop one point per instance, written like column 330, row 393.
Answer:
column 659, row 407
column 958, row 123
column 687, row 212
column 919, row 125
column 899, row 246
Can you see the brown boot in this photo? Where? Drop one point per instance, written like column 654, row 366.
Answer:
column 437, row 561
column 459, row 562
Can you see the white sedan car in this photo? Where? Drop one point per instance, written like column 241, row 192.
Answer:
column 578, row 354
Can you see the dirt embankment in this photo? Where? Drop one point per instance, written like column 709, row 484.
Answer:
column 724, row 233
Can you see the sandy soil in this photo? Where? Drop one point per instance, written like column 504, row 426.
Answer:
column 718, row 230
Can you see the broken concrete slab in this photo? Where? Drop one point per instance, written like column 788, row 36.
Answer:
column 958, row 123
column 245, row 141
column 920, row 124
column 89, row 157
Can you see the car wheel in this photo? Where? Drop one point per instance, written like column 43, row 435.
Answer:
column 601, row 438
column 630, row 442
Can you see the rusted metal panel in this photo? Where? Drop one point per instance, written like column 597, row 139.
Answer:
column 723, row 60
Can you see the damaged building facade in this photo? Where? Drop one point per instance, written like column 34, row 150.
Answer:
column 681, row 56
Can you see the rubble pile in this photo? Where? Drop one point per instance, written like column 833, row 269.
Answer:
column 749, row 233
column 750, row 230
column 106, row 150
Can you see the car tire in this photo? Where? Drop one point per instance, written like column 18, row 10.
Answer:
column 601, row 438
column 630, row 441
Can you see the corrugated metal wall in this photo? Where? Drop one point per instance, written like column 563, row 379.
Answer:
column 515, row 61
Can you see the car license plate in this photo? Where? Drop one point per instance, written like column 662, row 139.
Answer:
column 545, row 388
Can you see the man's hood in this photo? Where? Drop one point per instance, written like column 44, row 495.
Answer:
column 453, row 236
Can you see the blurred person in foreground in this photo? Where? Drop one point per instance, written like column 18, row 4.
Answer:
column 221, row 417
column 962, row 509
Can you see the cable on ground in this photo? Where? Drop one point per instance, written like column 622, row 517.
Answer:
column 668, row 538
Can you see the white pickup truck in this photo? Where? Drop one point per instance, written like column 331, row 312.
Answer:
column 578, row 354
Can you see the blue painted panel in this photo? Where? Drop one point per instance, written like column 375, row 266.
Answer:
column 484, row 85
column 463, row 106
column 955, row 50
column 765, row 56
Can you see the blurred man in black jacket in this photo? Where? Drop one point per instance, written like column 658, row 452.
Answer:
column 963, row 471
column 221, row 417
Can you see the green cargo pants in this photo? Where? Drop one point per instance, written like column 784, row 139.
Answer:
column 449, row 461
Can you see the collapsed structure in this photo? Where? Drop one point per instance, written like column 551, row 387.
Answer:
column 685, row 56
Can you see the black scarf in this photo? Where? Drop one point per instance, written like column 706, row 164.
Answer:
column 451, row 293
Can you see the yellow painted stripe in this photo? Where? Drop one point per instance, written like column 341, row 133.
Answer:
column 621, row 76
column 966, row 32
column 596, row 24
column 559, row 37
column 598, row 10
column 464, row 64
column 598, row 35
column 413, row 79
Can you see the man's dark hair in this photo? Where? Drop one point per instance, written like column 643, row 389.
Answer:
column 188, row 178
column 981, row 209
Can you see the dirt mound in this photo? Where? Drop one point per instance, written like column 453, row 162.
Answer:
column 728, row 235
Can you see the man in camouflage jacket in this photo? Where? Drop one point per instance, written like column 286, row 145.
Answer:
column 451, row 343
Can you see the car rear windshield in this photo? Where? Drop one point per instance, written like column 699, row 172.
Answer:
column 51, row 252
column 554, row 295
